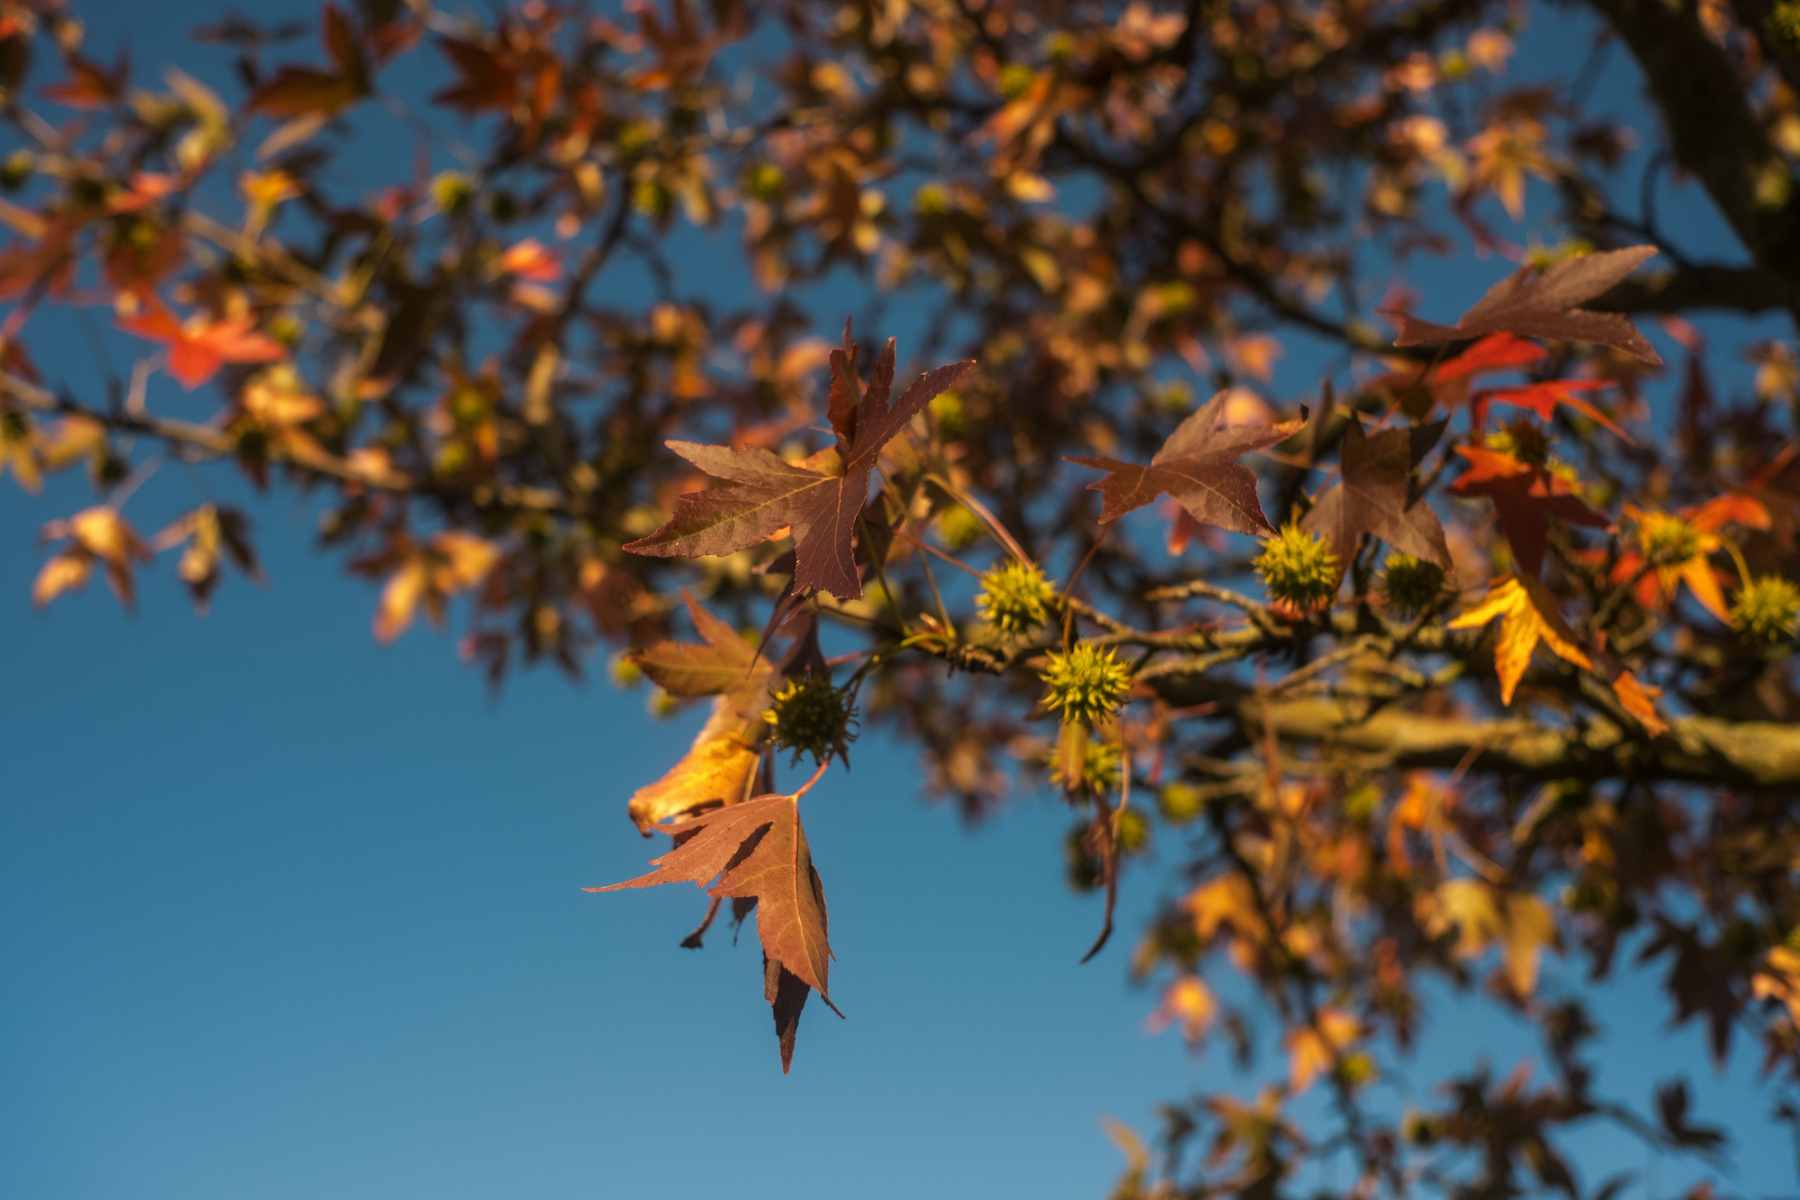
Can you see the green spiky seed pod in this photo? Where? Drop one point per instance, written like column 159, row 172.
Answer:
column 1412, row 585
column 809, row 716
column 1666, row 539
column 1298, row 567
column 958, row 528
column 1523, row 440
column 1180, row 803
column 1768, row 610
column 661, row 705
column 451, row 190
column 1784, row 22
column 1133, row 831
column 764, row 182
column 1085, row 683
column 1084, row 869
column 624, row 671
column 1015, row 597
column 1100, row 767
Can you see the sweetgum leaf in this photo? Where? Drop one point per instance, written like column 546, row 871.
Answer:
column 1542, row 305
column 1198, row 467
column 819, row 500
column 724, row 664
column 759, row 849
column 1525, row 498
column 1373, row 496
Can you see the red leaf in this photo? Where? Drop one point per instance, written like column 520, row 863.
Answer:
column 1525, row 498
column 1542, row 399
column 1496, row 352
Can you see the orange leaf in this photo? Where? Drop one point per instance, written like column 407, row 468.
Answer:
column 199, row 347
column 1639, row 701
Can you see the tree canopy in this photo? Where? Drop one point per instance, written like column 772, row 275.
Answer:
column 1472, row 651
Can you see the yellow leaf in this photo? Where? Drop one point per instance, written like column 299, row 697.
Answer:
column 1188, row 1003
column 65, row 572
column 1468, row 906
column 1639, row 701
column 1312, row 1050
column 1521, row 923
column 399, row 601
column 466, row 560
column 1529, row 615
column 1226, row 901
column 1530, row 926
column 718, row 768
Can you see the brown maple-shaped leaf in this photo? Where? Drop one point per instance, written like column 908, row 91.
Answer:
column 1525, row 498
column 725, row 664
column 1542, row 305
column 759, row 849
column 818, row 499
column 297, row 91
column 1198, row 467
column 1375, row 495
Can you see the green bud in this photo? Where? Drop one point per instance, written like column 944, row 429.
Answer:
column 1298, row 567
column 1085, row 683
column 1015, row 597
column 1767, row 611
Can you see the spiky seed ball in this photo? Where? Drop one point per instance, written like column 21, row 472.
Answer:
column 1298, row 567
column 1100, row 765
column 1412, row 584
column 451, row 190
column 1768, row 610
column 1180, row 803
column 1015, row 597
column 625, row 671
column 1085, row 683
column 1667, row 539
column 958, row 528
column 1134, row 831
column 1523, row 440
column 1084, row 869
column 809, row 716
column 661, row 705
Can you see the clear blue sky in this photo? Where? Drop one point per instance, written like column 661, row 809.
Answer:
column 284, row 915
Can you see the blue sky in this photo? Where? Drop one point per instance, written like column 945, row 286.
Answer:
column 286, row 915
